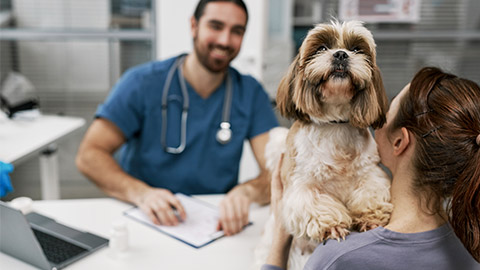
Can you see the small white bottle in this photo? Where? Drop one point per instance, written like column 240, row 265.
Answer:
column 23, row 204
column 118, row 237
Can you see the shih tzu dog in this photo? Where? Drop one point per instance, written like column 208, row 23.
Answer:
column 330, row 174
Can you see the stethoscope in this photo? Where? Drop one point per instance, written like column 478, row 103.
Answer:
column 224, row 134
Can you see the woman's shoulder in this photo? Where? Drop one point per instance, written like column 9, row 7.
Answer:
column 332, row 250
column 381, row 248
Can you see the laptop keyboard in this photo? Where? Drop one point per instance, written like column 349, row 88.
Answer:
column 57, row 250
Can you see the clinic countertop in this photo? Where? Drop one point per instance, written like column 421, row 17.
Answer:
column 148, row 248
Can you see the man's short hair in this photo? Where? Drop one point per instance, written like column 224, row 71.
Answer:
column 203, row 3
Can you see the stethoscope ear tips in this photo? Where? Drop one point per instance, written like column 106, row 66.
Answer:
column 224, row 134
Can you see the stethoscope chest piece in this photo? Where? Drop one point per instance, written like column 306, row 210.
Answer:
column 224, row 134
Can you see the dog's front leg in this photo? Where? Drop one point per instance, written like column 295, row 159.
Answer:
column 317, row 216
column 369, row 203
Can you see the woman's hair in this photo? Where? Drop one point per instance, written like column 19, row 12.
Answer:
column 442, row 111
column 203, row 3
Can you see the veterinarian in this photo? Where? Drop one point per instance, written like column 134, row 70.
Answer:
column 431, row 144
column 183, row 122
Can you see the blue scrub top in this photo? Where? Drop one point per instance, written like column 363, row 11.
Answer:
column 205, row 166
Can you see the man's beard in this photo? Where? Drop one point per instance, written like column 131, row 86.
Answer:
column 213, row 65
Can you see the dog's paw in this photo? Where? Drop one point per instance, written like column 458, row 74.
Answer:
column 337, row 233
column 366, row 226
column 319, row 231
column 372, row 218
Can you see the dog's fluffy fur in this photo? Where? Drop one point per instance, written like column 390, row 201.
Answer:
column 330, row 174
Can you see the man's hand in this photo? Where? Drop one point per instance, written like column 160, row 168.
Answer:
column 162, row 207
column 234, row 211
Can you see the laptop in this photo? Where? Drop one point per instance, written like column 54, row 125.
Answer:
column 43, row 242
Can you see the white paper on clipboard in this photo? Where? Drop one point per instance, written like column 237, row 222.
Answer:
column 199, row 228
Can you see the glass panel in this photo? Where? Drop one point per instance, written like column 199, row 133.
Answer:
column 78, row 14
column 74, row 46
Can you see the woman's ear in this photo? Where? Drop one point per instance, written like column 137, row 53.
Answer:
column 401, row 141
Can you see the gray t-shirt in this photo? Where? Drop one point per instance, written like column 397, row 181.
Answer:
column 381, row 248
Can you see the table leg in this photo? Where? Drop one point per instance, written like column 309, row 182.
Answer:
column 49, row 173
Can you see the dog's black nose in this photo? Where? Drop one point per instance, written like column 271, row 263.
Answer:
column 340, row 55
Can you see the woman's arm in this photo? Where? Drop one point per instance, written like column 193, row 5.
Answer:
column 280, row 249
column 278, row 255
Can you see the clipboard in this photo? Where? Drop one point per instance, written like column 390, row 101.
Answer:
column 198, row 230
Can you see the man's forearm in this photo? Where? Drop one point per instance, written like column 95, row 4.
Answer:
column 258, row 189
column 102, row 169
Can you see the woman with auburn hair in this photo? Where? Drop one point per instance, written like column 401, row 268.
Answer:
column 431, row 145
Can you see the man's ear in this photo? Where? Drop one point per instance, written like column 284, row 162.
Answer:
column 401, row 142
column 193, row 26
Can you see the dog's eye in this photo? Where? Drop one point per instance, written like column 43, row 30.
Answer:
column 322, row 48
column 356, row 50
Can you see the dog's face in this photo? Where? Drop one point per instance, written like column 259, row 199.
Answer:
column 335, row 78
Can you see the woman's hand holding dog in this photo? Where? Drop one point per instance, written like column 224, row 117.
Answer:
column 281, row 243
column 277, row 191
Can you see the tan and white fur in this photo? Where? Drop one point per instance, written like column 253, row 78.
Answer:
column 330, row 174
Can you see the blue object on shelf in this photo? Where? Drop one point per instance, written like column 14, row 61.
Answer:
column 5, row 184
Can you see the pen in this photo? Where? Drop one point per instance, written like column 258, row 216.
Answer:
column 177, row 215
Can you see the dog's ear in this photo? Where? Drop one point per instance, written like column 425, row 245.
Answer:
column 370, row 106
column 285, row 104
column 381, row 97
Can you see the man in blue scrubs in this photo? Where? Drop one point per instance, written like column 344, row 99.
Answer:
column 154, row 165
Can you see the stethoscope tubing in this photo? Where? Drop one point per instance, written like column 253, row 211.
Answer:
column 223, row 134
column 183, row 130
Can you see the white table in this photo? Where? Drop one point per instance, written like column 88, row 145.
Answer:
column 21, row 139
column 148, row 248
